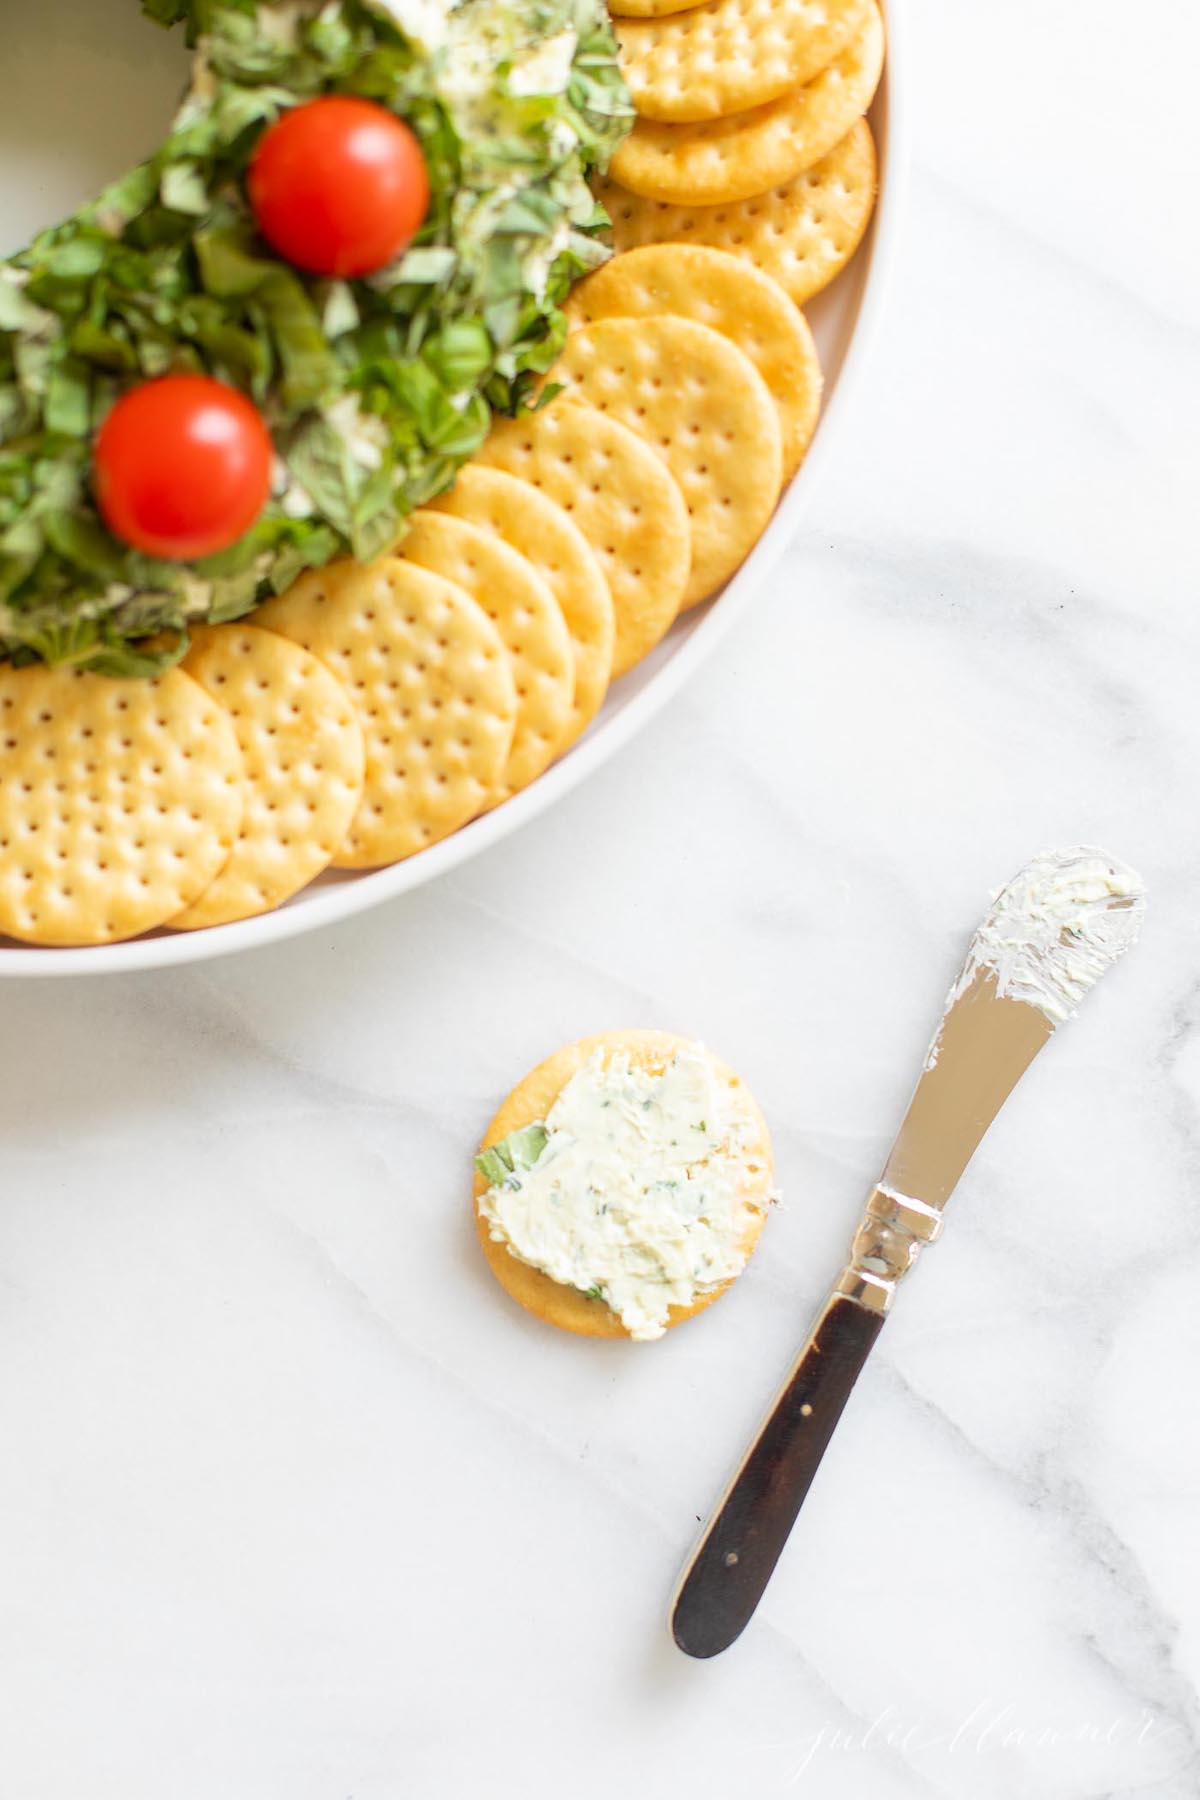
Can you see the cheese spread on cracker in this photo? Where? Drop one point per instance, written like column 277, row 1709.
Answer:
column 633, row 1189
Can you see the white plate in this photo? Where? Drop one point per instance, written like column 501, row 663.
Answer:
column 87, row 86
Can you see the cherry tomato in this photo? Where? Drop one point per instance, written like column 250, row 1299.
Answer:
column 182, row 466
column 339, row 186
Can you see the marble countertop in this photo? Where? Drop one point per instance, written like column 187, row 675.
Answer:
column 296, row 1506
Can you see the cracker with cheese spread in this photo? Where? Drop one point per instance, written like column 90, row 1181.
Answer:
column 623, row 1184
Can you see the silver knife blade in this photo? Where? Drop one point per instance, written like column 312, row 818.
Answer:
column 985, row 1044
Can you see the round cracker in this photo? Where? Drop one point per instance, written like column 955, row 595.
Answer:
column 531, row 626
column 541, row 532
column 748, row 153
column 704, row 408
column 119, row 802
column 433, row 689
column 302, row 756
column 622, row 499
column 719, row 291
column 729, row 55
column 801, row 234
column 650, row 9
column 529, row 1103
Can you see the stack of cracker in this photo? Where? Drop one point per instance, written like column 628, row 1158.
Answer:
column 751, row 134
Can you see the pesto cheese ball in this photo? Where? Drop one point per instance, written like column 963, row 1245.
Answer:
column 374, row 390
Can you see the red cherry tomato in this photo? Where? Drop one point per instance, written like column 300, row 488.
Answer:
column 339, row 186
column 182, row 466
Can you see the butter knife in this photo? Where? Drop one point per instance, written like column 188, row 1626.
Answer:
column 1049, row 936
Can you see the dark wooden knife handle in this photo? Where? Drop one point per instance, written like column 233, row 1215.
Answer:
column 725, row 1579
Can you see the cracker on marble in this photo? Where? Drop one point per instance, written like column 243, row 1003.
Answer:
column 530, row 1102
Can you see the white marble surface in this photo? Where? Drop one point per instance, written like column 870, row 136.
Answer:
column 295, row 1506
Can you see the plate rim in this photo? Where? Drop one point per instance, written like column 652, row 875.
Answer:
column 348, row 898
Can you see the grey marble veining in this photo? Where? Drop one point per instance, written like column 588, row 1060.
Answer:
column 295, row 1506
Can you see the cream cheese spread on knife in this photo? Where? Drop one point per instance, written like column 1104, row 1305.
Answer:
column 1052, row 932
column 1056, row 928
column 634, row 1190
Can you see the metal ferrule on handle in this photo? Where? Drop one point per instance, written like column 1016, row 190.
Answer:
column 894, row 1230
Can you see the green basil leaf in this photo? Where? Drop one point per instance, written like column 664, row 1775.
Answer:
column 519, row 1151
